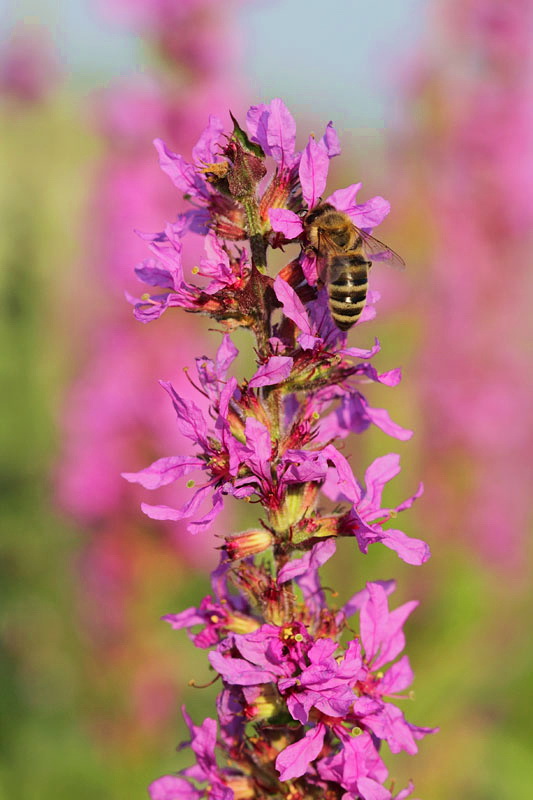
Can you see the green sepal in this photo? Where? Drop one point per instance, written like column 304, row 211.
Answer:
column 301, row 535
column 241, row 136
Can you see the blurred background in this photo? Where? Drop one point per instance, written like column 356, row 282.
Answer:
column 433, row 100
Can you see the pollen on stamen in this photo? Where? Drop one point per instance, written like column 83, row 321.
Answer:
column 190, row 484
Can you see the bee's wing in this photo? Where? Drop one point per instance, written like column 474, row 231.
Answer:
column 325, row 245
column 380, row 251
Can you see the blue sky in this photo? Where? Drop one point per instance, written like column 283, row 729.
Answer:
column 338, row 57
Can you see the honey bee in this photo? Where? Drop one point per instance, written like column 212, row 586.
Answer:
column 343, row 249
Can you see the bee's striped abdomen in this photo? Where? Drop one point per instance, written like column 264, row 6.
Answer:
column 347, row 287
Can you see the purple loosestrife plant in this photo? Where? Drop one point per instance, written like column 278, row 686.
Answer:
column 306, row 704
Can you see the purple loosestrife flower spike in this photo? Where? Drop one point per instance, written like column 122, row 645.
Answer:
column 307, row 703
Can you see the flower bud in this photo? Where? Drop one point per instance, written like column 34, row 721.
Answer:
column 236, row 426
column 245, row 172
column 298, row 499
column 276, row 194
column 263, row 707
column 239, row 623
column 248, row 543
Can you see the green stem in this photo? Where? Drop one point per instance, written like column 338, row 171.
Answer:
column 272, row 399
column 257, row 240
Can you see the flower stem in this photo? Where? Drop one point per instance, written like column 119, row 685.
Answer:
column 257, row 240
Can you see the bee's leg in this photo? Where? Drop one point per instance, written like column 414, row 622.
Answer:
column 369, row 264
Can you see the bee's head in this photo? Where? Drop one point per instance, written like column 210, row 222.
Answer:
column 316, row 213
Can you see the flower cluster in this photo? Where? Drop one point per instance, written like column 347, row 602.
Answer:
column 306, row 703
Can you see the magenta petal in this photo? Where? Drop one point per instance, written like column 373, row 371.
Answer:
column 190, row 418
column 294, row 760
column 276, row 370
column 174, row 165
column 226, row 355
column 363, row 706
column 390, row 724
column 281, row 132
column 410, row 500
column 330, row 141
column 256, row 122
column 206, row 638
column 164, row 471
column 308, row 342
column 368, row 313
column 404, row 793
column 273, row 127
column 299, row 706
column 356, row 602
column 374, row 619
column 348, row 417
column 398, row 678
column 420, row 732
column 370, row 789
column 358, row 352
column 394, row 638
column 204, row 739
column 378, row 474
column 154, row 273
column 321, row 650
column 381, row 419
column 259, row 441
column 346, row 483
column 225, row 397
column 204, row 150
column 239, row 671
column 216, row 265
column 205, row 522
column 182, row 174
column 304, row 466
column 412, row 551
column 185, row 619
column 253, row 646
column 315, row 558
column 309, row 266
column 343, row 199
column 175, row 514
column 370, row 214
column 284, row 221
column 170, row 787
column 313, row 172
column 293, row 308
column 161, row 512
column 390, row 378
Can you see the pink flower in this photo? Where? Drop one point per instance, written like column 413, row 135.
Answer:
column 321, row 705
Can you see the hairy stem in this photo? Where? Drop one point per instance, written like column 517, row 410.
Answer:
column 257, row 240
